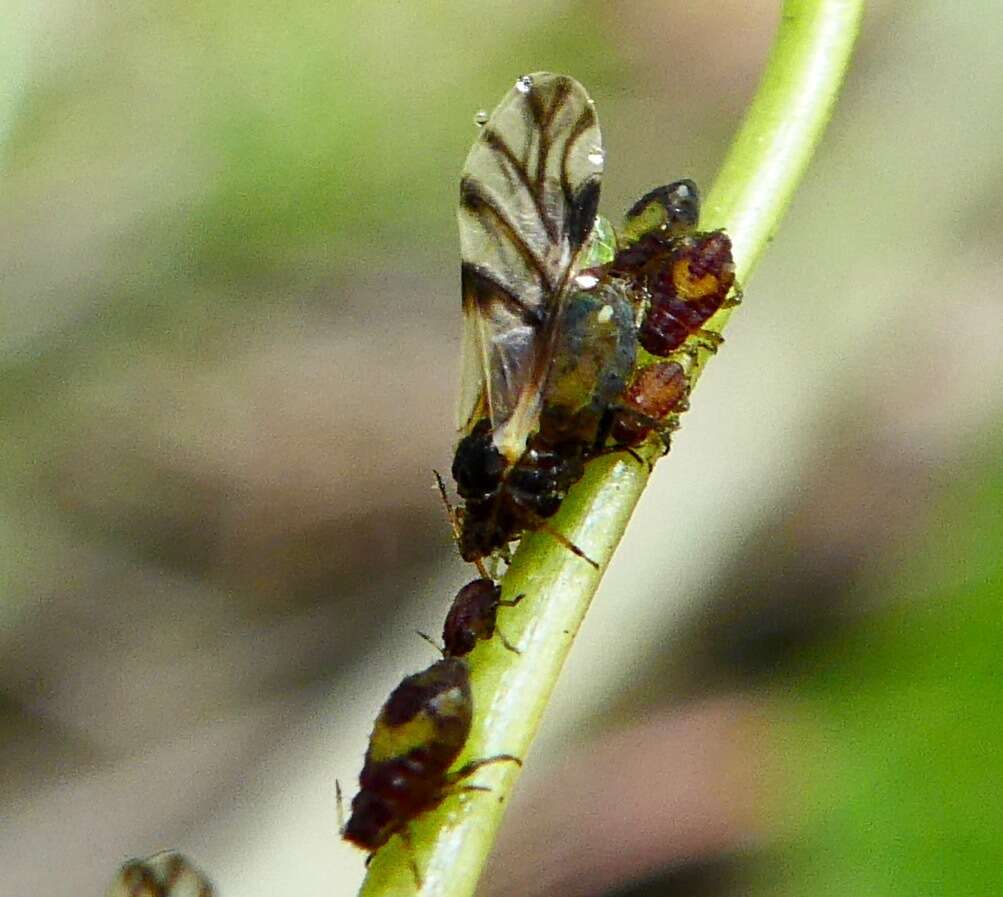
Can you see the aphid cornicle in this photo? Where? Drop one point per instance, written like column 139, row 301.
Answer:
column 418, row 734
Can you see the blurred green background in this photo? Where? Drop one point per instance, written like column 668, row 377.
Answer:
column 229, row 328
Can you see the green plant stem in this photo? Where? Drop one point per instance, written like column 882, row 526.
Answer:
column 767, row 160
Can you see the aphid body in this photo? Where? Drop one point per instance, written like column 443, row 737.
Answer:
column 473, row 617
column 419, row 732
column 418, row 735
column 684, row 276
column 528, row 198
column 656, row 391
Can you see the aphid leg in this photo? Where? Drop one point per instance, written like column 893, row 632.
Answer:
column 667, row 427
column 639, row 459
column 339, row 806
column 506, row 642
column 405, row 835
column 604, row 429
column 454, row 522
column 734, row 299
column 565, row 541
column 644, row 420
column 432, row 642
column 708, row 339
column 509, row 602
column 462, row 789
column 472, row 767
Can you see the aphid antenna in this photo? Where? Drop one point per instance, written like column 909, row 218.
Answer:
column 454, row 524
column 432, row 642
column 565, row 541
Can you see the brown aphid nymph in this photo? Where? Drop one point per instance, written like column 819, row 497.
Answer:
column 473, row 616
column 418, row 734
column 656, row 392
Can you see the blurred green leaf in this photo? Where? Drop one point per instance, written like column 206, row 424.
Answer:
column 897, row 744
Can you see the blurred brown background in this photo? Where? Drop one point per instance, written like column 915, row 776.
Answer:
column 229, row 326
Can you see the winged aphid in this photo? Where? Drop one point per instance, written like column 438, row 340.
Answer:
column 528, row 198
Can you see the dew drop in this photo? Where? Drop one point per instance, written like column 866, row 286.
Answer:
column 480, row 118
column 524, row 84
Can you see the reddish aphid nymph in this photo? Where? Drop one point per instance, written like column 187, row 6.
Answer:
column 656, row 391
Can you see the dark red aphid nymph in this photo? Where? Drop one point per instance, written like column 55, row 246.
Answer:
column 473, row 615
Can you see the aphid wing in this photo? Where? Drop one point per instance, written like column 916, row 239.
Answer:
column 528, row 198
column 472, row 404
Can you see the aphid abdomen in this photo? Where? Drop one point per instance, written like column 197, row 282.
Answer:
column 667, row 325
column 538, row 483
column 594, row 352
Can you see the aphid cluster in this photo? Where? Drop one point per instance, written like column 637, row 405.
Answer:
column 576, row 342
column 558, row 311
